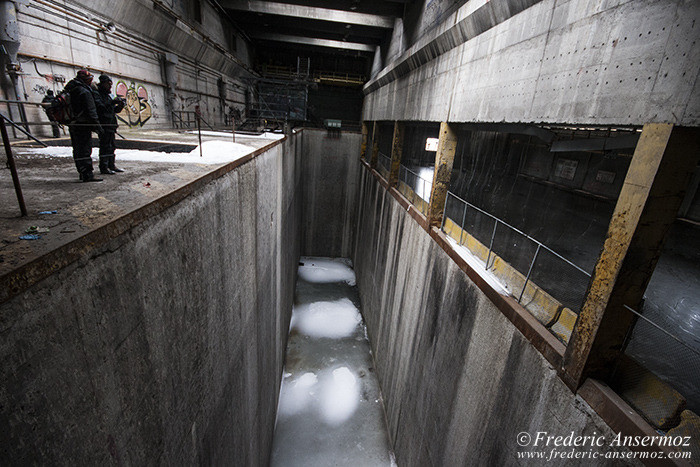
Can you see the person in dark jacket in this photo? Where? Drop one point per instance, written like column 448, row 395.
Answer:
column 48, row 99
column 84, row 122
column 107, row 109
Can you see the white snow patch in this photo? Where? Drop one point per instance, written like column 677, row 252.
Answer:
column 340, row 396
column 213, row 152
column 265, row 135
column 477, row 265
column 326, row 319
column 326, row 270
column 296, row 394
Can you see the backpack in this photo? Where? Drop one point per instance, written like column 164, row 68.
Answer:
column 58, row 108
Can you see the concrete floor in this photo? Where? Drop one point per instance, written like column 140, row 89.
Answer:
column 51, row 184
column 330, row 408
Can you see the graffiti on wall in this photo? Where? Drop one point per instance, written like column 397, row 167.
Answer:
column 137, row 110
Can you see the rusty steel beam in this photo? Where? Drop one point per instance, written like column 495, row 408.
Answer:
column 396, row 152
column 375, row 146
column 661, row 167
column 363, row 145
column 444, row 158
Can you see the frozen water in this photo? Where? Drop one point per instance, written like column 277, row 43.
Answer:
column 340, row 396
column 330, row 405
column 326, row 270
column 297, row 393
column 327, row 319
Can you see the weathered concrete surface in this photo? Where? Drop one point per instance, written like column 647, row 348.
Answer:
column 61, row 42
column 620, row 62
column 330, row 167
column 459, row 381
column 164, row 345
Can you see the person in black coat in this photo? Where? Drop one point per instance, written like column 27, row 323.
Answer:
column 84, row 122
column 107, row 109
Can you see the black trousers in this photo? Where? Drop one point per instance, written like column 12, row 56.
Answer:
column 81, row 140
column 107, row 147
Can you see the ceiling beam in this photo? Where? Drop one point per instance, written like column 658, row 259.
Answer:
column 268, row 36
column 302, row 11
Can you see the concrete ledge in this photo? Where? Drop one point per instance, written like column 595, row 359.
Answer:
column 623, row 419
column 25, row 276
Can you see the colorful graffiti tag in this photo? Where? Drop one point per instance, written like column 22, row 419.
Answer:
column 137, row 110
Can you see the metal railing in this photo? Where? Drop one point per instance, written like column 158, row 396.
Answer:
column 656, row 357
column 496, row 242
column 384, row 161
column 420, row 185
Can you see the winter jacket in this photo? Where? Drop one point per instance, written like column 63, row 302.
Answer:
column 107, row 108
column 82, row 102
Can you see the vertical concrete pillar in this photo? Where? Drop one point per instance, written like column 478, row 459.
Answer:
column 375, row 146
column 444, row 158
column 663, row 162
column 363, row 145
column 396, row 151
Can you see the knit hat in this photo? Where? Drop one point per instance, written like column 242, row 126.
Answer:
column 85, row 76
column 105, row 78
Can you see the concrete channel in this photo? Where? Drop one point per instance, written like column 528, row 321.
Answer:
column 158, row 335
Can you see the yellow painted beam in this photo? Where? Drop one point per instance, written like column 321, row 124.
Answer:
column 653, row 190
column 444, row 158
column 396, row 152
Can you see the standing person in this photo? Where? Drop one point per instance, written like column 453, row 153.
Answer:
column 107, row 109
column 84, row 122
column 49, row 98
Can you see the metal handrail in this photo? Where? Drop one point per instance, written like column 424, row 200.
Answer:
column 537, row 242
column 677, row 339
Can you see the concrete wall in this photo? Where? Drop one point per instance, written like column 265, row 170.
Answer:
column 459, row 380
column 165, row 344
column 619, row 62
column 330, row 167
column 132, row 54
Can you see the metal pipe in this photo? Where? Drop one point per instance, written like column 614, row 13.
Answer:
column 464, row 218
column 199, row 129
column 694, row 350
column 13, row 169
column 529, row 271
column 493, row 235
column 14, row 125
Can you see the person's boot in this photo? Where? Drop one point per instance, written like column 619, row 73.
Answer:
column 113, row 167
column 89, row 177
column 104, row 166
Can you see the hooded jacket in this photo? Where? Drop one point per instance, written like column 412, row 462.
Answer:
column 82, row 102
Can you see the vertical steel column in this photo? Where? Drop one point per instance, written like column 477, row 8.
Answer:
column 661, row 167
column 444, row 158
column 396, row 153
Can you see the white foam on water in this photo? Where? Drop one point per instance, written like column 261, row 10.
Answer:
column 339, row 396
column 332, row 320
column 296, row 394
column 325, row 271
